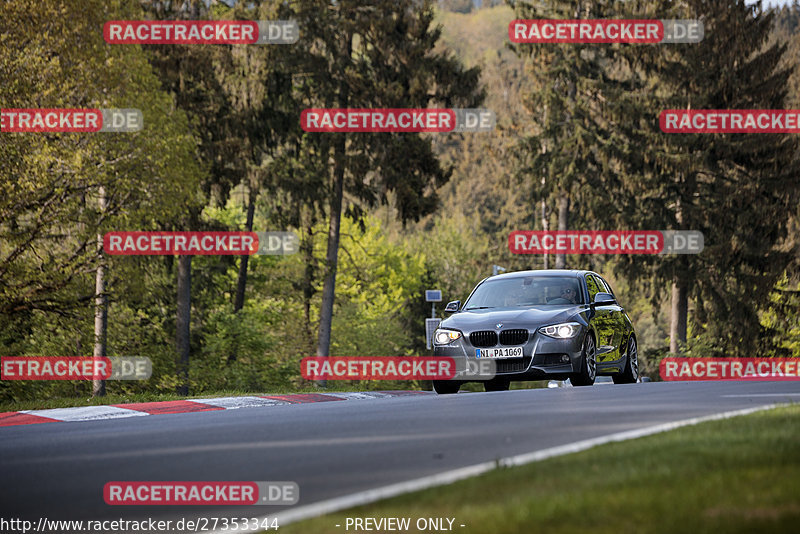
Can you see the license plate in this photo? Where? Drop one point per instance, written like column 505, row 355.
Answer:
column 503, row 352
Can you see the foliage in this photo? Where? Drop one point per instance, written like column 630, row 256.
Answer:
column 424, row 211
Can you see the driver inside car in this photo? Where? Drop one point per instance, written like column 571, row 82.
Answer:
column 567, row 295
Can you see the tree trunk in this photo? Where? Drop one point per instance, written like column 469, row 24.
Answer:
column 680, row 281
column 563, row 220
column 332, row 255
column 307, row 247
column 679, row 313
column 100, row 308
column 183, row 318
column 545, row 223
column 241, row 281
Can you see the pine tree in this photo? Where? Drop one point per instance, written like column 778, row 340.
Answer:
column 738, row 189
column 257, row 81
column 380, row 55
column 566, row 84
column 188, row 73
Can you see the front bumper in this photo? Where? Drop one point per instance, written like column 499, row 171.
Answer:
column 543, row 357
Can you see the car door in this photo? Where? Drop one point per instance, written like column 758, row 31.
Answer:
column 617, row 319
column 603, row 322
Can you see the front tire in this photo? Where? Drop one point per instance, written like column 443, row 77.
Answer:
column 631, row 373
column 446, row 387
column 588, row 372
column 498, row 383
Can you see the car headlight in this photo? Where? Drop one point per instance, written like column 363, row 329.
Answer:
column 561, row 331
column 443, row 336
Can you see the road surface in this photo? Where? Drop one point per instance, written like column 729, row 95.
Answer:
column 58, row 470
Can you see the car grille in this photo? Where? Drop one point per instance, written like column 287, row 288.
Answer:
column 516, row 365
column 483, row 338
column 518, row 336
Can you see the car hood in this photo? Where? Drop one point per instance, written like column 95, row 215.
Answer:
column 531, row 318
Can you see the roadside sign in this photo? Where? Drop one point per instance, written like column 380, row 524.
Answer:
column 433, row 295
column 430, row 326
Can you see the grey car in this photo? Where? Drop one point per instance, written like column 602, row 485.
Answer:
column 539, row 325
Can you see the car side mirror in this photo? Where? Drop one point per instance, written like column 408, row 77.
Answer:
column 604, row 299
column 453, row 306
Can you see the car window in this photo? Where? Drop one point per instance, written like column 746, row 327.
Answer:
column 604, row 283
column 591, row 285
column 525, row 291
column 600, row 285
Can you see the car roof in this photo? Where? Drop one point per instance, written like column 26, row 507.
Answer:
column 543, row 273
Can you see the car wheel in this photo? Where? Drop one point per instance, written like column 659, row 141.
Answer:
column 631, row 373
column 498, row 383
column 446, row 387
column 588, row 372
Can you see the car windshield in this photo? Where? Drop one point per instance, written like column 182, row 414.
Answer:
column 526, row 291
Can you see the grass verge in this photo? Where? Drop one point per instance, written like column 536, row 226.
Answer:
column 735, row 475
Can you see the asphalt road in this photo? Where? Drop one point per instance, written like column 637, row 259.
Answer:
column 57, row 470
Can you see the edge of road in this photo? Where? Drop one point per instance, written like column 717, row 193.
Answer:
column 118, row 411
column 369, row 496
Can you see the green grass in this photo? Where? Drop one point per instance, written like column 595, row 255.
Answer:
column 737, row 475
column 68, row 402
